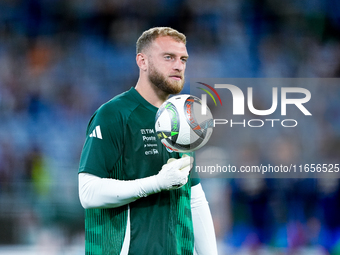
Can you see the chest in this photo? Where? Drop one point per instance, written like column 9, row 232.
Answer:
column 144, row 154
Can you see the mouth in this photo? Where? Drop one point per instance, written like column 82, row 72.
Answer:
column 176, row 77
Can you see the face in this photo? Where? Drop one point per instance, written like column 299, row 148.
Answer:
column 167, row 62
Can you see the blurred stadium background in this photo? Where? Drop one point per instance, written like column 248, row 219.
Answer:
column 61, row 59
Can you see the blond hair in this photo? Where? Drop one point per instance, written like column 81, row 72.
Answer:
column 150, row 35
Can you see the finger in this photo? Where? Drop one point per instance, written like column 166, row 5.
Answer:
column 184, row 181
column 186, row 161
column 171, row 160
column 181, row 182
column 186, row 170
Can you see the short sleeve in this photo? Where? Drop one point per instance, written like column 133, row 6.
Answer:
column 104, row 143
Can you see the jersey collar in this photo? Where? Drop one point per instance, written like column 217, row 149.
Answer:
column 142, row 100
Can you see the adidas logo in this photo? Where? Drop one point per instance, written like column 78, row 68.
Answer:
column 96, row 133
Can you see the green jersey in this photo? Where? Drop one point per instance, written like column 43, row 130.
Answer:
column 121, row 143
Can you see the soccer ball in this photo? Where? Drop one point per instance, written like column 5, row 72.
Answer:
column 180, row 124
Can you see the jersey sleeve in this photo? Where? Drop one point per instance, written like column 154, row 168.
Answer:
column 103, row 144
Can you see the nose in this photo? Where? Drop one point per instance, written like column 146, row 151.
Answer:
column 179, row 65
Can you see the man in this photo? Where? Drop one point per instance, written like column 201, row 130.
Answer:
column 138, row 202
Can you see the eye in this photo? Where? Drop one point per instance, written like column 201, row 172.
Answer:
column 168, row 57
column 184, row 60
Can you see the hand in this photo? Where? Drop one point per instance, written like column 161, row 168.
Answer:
column 174, row 174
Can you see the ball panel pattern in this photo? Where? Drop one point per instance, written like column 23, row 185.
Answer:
column 180, row 124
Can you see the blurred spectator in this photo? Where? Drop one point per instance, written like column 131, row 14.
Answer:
column 59, row 59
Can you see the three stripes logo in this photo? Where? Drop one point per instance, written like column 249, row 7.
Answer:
column 96, row 133
column 209, row 93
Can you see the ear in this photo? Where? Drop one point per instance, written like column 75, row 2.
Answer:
column 142, row 62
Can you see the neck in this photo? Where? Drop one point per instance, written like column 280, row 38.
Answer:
column 151, row 93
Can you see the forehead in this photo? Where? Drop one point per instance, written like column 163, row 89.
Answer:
column 166, row 44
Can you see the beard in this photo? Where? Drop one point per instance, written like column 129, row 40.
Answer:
column 164, row 83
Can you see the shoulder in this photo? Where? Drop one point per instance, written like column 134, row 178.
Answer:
column 118, row 108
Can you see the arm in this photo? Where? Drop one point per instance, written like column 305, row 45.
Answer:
column 96, row 192
column 205, row 240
